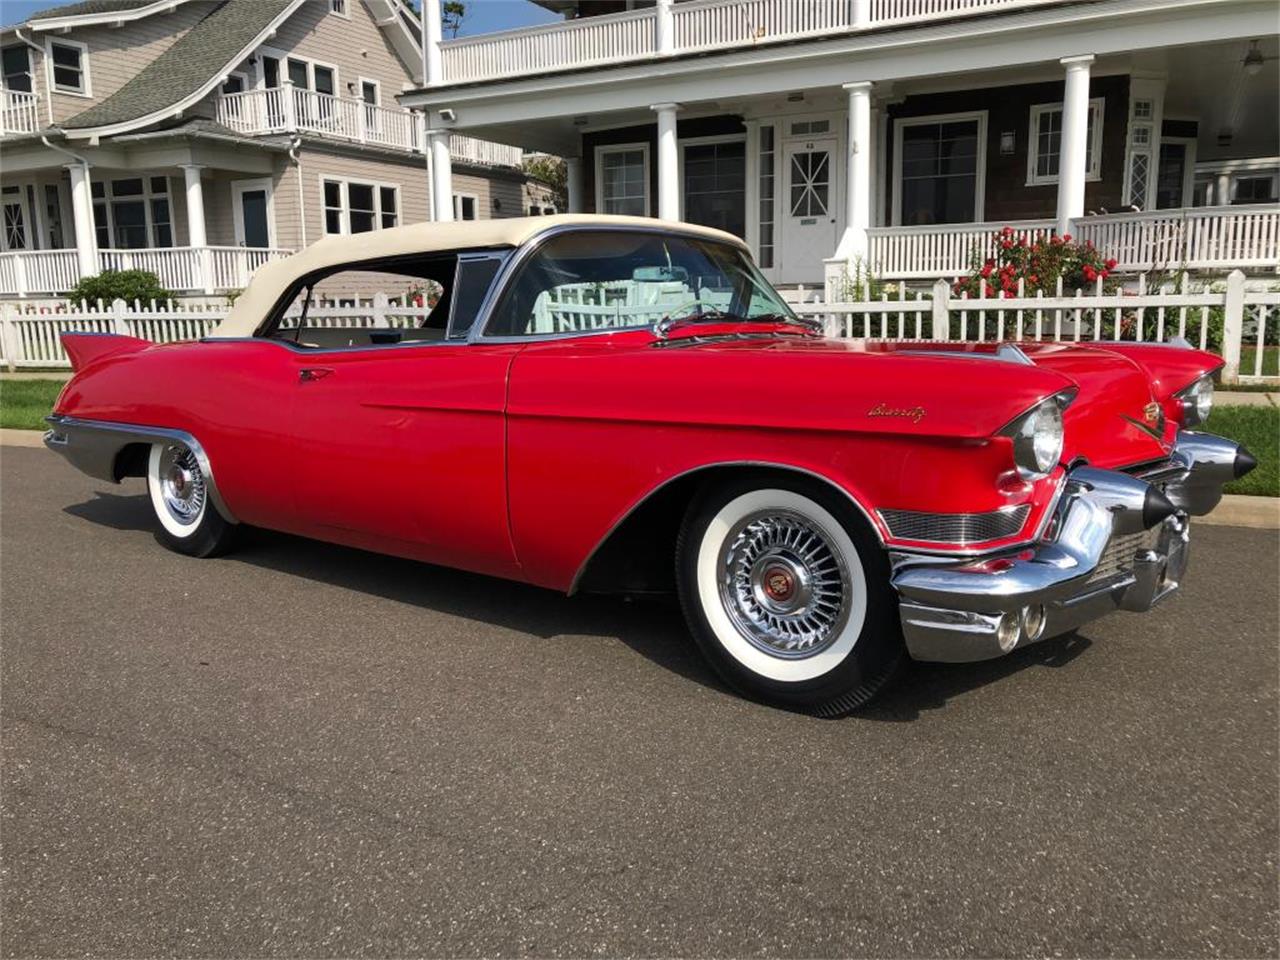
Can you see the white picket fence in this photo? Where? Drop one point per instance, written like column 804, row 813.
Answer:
column 1228, row 318
column 1175, row 311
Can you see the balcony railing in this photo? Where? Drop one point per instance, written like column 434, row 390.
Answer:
column 289, row 109
column 19, row 112
column 471, row 150
column 180, row 269
column 696, row 26
column 1192, row 238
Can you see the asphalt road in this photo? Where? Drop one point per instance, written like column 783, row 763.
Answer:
column 307, row 750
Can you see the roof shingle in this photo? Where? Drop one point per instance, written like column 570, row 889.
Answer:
column 205, row 51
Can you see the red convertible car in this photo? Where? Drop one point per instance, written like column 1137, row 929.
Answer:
column 625, row 404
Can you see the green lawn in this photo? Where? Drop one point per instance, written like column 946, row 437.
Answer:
column 1258, row 428
column 25, row 403
column 1249, row 357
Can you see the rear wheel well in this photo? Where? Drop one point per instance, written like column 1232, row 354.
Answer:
column 638, row 556
column 131, row 461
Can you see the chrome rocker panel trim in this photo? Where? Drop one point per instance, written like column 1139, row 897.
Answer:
column 92, row 446
column 951, row 612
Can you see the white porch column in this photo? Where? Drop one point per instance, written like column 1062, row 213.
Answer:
column 432, row 67
column 1073, row 152
column 573, row 183
column 82, row 214
column 196, row 233
column 1222, row 190
column 664, row 28
column 441, row 175
column 668, row 161
column 858, row 195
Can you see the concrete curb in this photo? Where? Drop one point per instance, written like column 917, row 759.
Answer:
column 1235, row 510
column 1227, row 398
column 21, row 438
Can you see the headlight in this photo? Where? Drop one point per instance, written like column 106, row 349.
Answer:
column 1037, row 438
column 1197, row 402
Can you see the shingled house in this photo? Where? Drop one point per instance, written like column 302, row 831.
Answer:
column 200, row 138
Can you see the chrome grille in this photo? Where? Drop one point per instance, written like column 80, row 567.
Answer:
column 1117, row 558
column 955, row 527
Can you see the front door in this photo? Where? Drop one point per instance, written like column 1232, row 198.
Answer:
column 403, row 448
column 251, row 206
column 1172, row 178
column 809, row 209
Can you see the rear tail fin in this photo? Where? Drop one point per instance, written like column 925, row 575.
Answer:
column 86, row 348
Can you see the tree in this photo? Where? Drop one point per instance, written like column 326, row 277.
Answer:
column 550, row 170
column 451, row 16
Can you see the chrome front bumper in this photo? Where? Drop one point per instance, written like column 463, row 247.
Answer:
column 1117, row 541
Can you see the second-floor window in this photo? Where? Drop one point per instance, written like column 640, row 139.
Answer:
column 69, row 67
column 354, row 207
column 17, row 68
column 1045, row 150
column 339, row 7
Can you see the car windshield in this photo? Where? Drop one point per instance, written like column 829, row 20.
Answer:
column 581, row 281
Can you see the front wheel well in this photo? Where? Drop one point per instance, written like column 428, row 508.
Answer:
column 638, row 555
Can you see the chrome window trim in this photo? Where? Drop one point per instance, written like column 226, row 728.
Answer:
column 503, row 281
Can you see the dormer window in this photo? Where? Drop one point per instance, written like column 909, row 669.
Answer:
column 69, row 67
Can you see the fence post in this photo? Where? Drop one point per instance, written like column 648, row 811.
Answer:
column 941, row 309
column 20, row 274
column 118, row 322
column 9, row 336
column 289, row 105
column 380, row 309
column 205, row 260
column 1233, row 326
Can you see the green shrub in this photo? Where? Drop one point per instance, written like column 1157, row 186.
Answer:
column 126, row 285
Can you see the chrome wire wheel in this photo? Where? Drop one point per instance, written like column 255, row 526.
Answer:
column 182, row 486
column 784, row 584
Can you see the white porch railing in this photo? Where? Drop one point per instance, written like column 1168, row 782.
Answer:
column 559, row 46
column 697, row 25
column 180, row 269
column 1226, row 318
column 906, row 253
column 19, row 112
column 1194, row 238
column 287, row 109
column 484, row 152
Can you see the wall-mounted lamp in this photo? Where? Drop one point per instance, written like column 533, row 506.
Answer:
column 447, row 115
column 1007, row 142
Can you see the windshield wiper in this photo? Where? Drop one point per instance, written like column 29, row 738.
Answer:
column 706, row 315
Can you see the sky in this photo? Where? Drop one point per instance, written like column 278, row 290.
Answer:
column 483, row 16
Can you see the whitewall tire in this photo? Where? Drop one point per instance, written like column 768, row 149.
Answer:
column 180, row 495
column 786, row 591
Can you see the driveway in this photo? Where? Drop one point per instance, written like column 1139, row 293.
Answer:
column 308, row 750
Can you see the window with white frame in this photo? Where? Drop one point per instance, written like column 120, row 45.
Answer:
column 466, row 206
column 69, row 67
column 132, row 213
column 622, row 179
column 715, row 184
column 339, row 7
column 1045, row 150
column 16, row 63
column 768, row 156
column 352, row 206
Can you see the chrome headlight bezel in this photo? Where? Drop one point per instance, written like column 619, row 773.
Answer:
column 1196, row 401
column 1038, row 436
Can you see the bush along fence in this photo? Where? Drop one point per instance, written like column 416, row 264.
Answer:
column 1241, row 325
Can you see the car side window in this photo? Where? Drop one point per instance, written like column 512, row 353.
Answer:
column 476, row 273
column 584, row 280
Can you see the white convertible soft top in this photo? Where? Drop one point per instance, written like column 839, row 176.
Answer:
column 273, row 279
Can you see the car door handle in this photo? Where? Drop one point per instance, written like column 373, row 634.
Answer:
column 311, row 374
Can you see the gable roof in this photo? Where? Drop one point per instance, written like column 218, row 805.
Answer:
column 189, row 69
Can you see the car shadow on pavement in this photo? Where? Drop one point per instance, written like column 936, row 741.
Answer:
column 651, row 626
